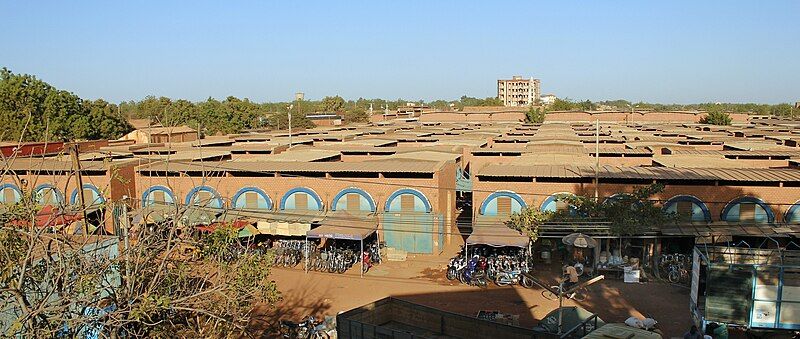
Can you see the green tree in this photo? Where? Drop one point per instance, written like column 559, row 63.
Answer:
column 715, row 116
column 562, row 105
column 32, row 110
column 527, row 221
column 333, row 104
column 535, row 115
column 470, row 101
column 783, row 110
column 356, row 114
column 628, row 213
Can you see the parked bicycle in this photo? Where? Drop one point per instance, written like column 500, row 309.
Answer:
column 676, row 266
column 578, row 295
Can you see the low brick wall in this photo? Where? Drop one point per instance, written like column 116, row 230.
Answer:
column 368, row 322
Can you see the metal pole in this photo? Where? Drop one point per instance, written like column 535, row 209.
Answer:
column 362, row 257
column 126, row 224
column 306, row 248
column 560, row 306
column 77, row 163
column 596, row 158
column 290, row 127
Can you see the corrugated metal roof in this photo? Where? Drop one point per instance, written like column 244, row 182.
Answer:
column 380, row 166
column 616, row 172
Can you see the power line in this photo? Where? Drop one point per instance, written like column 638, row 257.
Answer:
column 341, row 221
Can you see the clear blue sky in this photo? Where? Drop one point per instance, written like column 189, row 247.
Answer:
column 671, row 51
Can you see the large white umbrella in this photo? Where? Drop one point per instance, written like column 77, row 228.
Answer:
column 580, row 240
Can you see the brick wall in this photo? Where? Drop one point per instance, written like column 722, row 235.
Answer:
column 715, row 197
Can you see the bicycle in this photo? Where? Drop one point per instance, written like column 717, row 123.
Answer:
column 579, row 295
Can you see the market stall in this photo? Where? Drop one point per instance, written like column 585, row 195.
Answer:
column 345, row 226
column 493, row 232
column 746, row 287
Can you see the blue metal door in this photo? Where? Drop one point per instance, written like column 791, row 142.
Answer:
column 410, row 232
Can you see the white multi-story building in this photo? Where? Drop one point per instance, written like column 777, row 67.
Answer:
column 518, row 91
column 548, row 99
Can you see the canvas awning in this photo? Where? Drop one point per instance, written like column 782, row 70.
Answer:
column 293, row 229
column 343, row 225
column 154, row 213
column 492, row 231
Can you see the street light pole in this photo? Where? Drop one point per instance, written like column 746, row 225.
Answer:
column 290, row 125
column 596, row 159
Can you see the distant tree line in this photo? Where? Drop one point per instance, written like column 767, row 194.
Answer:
column 783, row 109
column 33, row 110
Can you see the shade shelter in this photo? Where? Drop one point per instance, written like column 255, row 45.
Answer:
column 746, row 287
column 279, row 223
column 492, row 231
column 345, row 226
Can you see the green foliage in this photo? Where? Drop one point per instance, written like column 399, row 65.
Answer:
column 715, row 116
column 629, row 213
column 527, row 222
column 357, row 114
column 217, row 244
column 333, row 104
column 535, row 115
column 469, row 101
column 568, row 105
column 32, row 110
column 781, row 110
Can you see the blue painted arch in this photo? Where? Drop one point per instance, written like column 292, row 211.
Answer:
column 763, row 213
column 367, row 203
column 146, row 195
column 700, row 211
column 421, row 198
column 17, row 193
column 98, row 197
column 56, row 192
column 290, row 195
column 549, row 204
column 216, row 199
column 792, row 215
column 489, row 205
column 263, row 198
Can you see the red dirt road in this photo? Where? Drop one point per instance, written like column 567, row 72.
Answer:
column 421, row 280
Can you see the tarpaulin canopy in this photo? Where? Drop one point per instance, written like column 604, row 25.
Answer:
column 343, row 225
column 50, row 216
column 155, row 213
column 293, row 216
column 493, row 232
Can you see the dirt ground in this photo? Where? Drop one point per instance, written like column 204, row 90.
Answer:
column 420, row 279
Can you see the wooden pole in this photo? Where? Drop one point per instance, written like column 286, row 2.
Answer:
column 597, row 159
column 76, row 162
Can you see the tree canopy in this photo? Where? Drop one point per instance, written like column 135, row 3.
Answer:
column 716, row 116
column 33, row 110
column 627, row 213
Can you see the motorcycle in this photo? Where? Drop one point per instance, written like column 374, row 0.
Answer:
column 511, row 277
column 455, row 267
column 366, row 261
column 308, row 328
column 472, row 274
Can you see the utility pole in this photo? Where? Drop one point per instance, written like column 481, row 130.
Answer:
column 597, row 159
column 290, row 125
column 126, row 225
column 76, row 163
